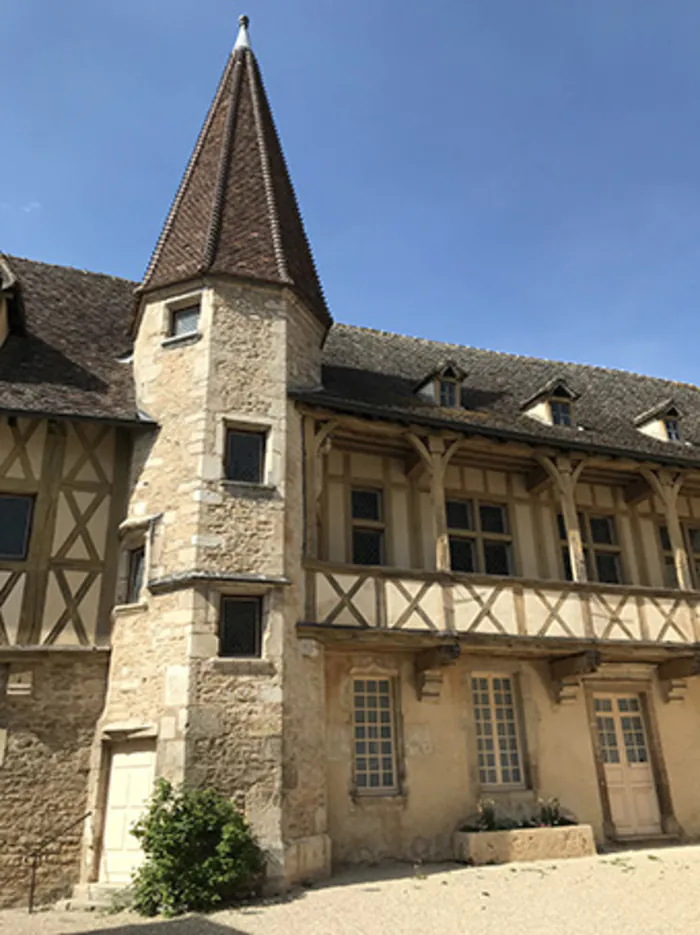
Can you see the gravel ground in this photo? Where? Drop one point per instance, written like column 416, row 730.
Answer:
column 631, row 893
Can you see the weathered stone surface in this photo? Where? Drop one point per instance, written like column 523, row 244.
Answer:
column 500, row 847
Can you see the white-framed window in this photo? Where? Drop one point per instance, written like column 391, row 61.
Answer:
column 499, row 743
column 601, row 547
column 480, row 537
column 375, row 767
column 368, row 526
column 184, row 320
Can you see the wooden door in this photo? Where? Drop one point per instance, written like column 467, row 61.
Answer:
column 131, row 775
column 624, row 749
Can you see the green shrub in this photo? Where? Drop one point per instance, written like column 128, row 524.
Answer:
column 199, row 853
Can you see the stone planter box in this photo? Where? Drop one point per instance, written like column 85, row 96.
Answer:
column 501, row 847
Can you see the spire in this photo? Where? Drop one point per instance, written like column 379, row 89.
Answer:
column 235, row 212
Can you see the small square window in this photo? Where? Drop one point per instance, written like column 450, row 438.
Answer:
column 459, row 514
column 240, row 628
column 497, row 558
column 448, row 394
column 184, row 321
column 561, row 412
column 367, row 504
column 15, row 525
column 368, row 546
column 673, row 430
column 602, row 530
column 245, row 456
column 492, row 518
column 134, row 581
column 462, row 556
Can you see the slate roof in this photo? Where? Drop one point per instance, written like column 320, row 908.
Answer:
column 236, row 211
column 75, row 328
column 375, row 373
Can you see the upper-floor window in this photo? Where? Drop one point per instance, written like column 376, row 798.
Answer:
column 15, row 525
column 136, row 559
column 499, row 744
column 184, row 321
column 673, row 429
column 245, row 456
column 367, row 511
column 479, row 536
column 601, row 548
column 561, row 410
column 448, row 393
column 240, row 627
column 374, row 736
column 692, row 544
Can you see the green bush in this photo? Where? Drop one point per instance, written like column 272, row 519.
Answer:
column 199, row 853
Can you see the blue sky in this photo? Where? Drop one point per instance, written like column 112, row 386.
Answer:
column 523, row 176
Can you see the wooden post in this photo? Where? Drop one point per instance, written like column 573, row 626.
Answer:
column 313, row 449
column 667, row 487
column 564, row 477
column 436, row 456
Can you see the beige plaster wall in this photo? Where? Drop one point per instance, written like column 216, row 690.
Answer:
column 46, row 739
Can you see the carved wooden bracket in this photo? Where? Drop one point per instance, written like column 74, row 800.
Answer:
column 428, row 668
column 566, row 672
column 673, row 674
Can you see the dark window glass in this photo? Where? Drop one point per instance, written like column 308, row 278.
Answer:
column 184, row 320
column 15, row 524
column 462, row 556
column 608, row 567
column 670, row 576
column 367, row 504
column 561, row 412
column 602, row 530
column 134, row 581
column 673, row 429
column 240, row 632
column 448, row 393
column 492, row 518
column 367, row 546
column 566, row 559
column 459, row 514
column 496, row 558
column 245, row 454
column 561, row 525
column 665, row 538
column 694, row 538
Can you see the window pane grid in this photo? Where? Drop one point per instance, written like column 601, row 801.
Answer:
column 561, row 412
column 480, row 539
column 374, row 736
column 367, row 511
column 601, row 550
column 498, row 747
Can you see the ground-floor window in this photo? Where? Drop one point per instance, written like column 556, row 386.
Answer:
column 498, row 739
column 374, row 736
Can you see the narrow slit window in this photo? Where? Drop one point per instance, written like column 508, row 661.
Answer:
column 499, row 746
column 245, row 456
column 374, row 736
column 184, row 321
column 240, row 627
column 15, row 526
column 368, row 526
column 134, row 582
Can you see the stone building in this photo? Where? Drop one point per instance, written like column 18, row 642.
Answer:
column 355, row 580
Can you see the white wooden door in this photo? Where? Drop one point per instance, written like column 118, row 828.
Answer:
column 622, row 740
column 131, row 775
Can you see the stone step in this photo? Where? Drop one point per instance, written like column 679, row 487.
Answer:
column 92, row 896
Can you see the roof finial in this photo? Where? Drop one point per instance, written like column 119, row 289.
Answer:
column 242, row 42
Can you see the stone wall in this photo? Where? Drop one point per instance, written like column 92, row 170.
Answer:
column 44, row 771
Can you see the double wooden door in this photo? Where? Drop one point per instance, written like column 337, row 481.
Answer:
column 629, row 775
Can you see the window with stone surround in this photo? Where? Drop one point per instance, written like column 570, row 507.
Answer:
column 184, row 321
column 15, row 526
column 240, row 627
column 499, row 745
column 374, row 736
column 136, row 560
column 244, row 459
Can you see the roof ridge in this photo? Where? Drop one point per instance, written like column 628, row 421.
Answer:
column 524, row 357
column 73, row 269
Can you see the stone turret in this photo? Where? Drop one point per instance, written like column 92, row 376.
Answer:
column 230, row 316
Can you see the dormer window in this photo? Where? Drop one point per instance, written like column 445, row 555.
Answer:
column 448, row 393
column 561, row 412
column 673, row 429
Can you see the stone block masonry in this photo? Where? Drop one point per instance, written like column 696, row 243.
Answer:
column 44, row 770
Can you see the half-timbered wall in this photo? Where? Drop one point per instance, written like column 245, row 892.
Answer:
column 537, row 549
column 61, row 594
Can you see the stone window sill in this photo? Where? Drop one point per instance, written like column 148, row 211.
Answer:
column 246, row 489
column 180, row 340
column 379, row 799
column 232, row 666
column 125, row 610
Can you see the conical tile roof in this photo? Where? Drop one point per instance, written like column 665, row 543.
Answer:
column 235, row 212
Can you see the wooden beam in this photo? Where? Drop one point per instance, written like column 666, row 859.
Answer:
column 683, row 668
column 574, row 666
column 537, row 480
column 637, row 491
